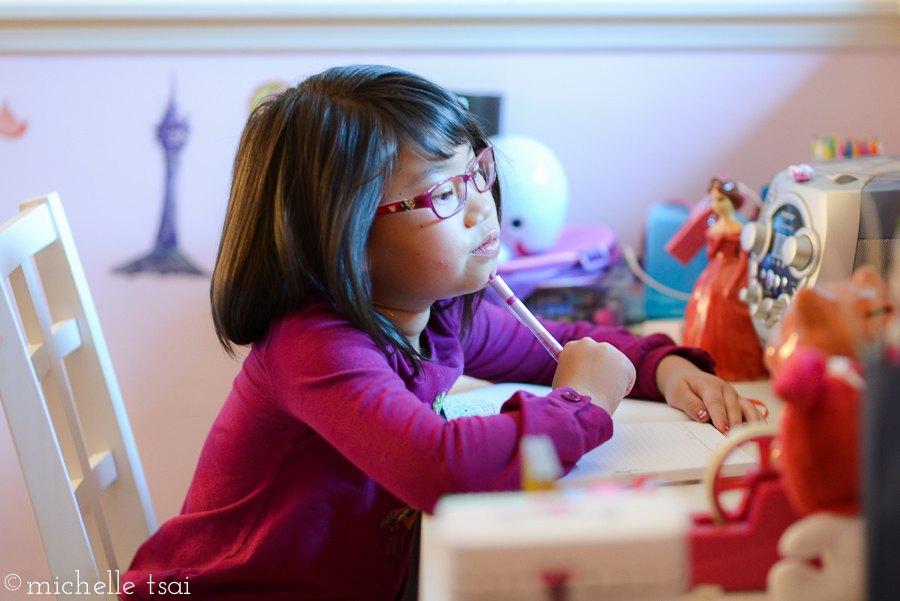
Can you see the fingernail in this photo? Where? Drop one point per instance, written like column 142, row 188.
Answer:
column 701, row 415
column 725, row 428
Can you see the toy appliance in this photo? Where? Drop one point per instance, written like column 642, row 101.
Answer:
column 819, row 222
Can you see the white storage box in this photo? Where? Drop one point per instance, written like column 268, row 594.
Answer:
column 574, row 544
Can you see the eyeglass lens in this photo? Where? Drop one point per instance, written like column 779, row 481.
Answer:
column 450, row 196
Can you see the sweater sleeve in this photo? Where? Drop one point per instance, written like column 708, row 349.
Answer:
column 337, row 382
column 499, row 349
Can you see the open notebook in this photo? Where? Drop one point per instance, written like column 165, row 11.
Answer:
column 649, row 439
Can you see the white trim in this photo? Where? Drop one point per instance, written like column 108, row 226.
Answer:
column 109, row 26
column 440, row 9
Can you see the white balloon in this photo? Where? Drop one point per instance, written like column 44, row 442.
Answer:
column 535, row 194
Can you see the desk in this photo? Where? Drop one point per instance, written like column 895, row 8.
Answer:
column 629, row 411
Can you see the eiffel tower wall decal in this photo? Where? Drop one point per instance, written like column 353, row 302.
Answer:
column 166, row 257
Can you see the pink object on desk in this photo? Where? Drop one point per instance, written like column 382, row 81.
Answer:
column 738, row 555
column 734, row 547
column 590, row 247
column 691, row 236
column 581, row 257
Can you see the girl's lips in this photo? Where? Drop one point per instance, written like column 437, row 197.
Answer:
column 490, row 247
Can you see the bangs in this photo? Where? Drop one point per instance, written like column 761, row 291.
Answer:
column 434, row 130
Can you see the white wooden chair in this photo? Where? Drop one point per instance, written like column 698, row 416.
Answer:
column 65, row 409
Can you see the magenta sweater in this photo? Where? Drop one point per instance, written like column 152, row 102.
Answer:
column 307, row 485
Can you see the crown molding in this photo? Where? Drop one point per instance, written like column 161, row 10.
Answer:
column 218, row 26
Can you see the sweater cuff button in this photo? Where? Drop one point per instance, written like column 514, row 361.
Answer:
column 571, row 396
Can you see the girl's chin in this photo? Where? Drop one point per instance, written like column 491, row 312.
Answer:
column 475, row 286
column 484, row 273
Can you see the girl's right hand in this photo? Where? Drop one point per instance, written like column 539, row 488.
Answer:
column 596, row 369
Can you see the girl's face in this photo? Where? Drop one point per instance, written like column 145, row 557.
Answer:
column 415, row 257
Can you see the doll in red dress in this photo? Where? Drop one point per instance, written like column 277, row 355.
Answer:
column 715, row 319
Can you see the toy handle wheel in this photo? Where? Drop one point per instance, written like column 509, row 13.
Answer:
column 718, row 482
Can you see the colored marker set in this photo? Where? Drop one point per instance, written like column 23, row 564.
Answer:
column 828, row 147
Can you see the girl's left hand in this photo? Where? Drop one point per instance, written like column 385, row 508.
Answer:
column 703, row 396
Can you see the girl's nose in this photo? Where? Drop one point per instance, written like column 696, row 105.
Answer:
column 479, row 206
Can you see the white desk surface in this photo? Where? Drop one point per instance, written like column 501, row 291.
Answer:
column 633, row 411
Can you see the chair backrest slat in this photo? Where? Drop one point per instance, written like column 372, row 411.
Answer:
column 63, row 403
column 66, row 337
column 68, row 294
column 39, row 360
column 26, row 235
column 43, row 466
column 90, row 490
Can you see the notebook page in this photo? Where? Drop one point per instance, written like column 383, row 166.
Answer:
column 669, row 451
column 485, row 401
column 488, row 400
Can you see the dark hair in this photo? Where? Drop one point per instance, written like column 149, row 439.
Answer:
column 311, row 168
column 729, row 189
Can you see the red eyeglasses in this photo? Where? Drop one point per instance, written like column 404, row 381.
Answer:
column 448, row 197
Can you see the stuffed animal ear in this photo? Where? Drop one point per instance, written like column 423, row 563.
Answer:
column 871, row 301
column 838, row 318
column 794, row 325
column 867, row 285
column 814, row 319
column 866, row 276
column 813, row 310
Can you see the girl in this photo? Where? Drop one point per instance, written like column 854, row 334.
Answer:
column 361, row 231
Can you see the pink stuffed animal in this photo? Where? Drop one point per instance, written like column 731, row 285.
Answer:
column 814, row 359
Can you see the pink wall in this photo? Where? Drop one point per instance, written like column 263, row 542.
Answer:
column 631, row 129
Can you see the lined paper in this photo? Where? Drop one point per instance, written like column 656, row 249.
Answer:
column 670, row 451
